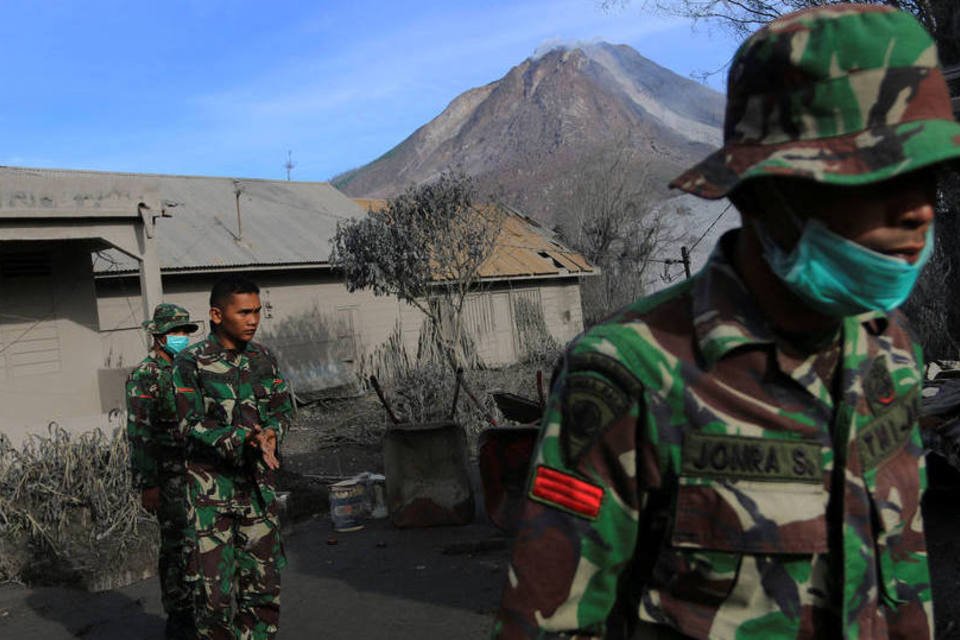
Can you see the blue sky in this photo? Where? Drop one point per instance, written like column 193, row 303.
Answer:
column 226, row 87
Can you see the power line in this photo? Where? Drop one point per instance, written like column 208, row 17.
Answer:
column 712, row 225
column 669, row 261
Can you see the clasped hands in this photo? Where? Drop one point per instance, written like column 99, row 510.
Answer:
column 266, row 441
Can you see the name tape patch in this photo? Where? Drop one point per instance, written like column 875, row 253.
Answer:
column 885, row 436
column 567, row 492
column 746, row 458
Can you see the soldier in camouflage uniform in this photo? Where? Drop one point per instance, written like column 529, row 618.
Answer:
column 157, row 456
column 233, row 406
column 739, row 456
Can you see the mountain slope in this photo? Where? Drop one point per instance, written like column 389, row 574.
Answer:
column 528, row 133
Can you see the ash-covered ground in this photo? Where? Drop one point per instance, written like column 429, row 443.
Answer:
column 382, row 582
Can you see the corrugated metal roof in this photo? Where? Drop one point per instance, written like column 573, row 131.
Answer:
column 523, row 249
column 280, row 222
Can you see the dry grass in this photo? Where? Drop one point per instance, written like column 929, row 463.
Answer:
column 422, row 394
column 422, row 387
column 67, row 508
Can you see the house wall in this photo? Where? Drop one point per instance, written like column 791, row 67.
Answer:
column 561, row 308
column 493, row 316
column 318, row 328
column 50, row 348
column 66, row 344
column 321, row 332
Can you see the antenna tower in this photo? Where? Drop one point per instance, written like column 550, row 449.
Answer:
column 289, row 164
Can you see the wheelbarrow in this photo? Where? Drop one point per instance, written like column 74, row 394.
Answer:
column 504, row 453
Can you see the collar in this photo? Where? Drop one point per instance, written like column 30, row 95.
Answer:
column 215, row 344
column 157, row 357
column 725, row 315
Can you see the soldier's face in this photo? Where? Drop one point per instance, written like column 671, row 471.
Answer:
column 238, row 319
column 160, row 338
column 890, row 217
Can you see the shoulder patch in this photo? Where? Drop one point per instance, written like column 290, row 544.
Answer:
column 590, row 404
column 566, row 492
column 878, row 386
column 607, row 366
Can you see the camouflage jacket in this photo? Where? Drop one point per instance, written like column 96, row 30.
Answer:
column 151, row 419
column 697, row 472
column 221, row 394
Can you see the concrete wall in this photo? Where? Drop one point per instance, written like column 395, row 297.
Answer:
column 50, row 348
column 66, row 344
column 317, row 327
column 322, row 332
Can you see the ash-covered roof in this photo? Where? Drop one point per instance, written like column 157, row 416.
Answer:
column 55, row 193
column 279, row 223
column 524, row 249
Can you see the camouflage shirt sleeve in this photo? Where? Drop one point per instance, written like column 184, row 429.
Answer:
column 274, row 400
column 141, row 397
column 580, row 526
column 203, row 422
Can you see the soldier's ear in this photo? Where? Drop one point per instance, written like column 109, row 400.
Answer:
column 216, row 315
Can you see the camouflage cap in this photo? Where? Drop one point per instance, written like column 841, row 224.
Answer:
column 848, row 94
column 167, row 317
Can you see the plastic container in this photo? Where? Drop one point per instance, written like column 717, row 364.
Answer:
column 349, row 504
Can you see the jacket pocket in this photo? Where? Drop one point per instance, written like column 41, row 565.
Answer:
column 717, row 523
column 895, row 488
column 751, row 516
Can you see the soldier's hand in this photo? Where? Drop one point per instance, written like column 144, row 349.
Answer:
column 267, row 440
column 271, row 460
column 252, row 436
column 150, row 499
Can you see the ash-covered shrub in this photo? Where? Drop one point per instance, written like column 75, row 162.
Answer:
column 67, row 508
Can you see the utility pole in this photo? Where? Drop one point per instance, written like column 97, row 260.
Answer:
column 684, row 260
column 289, row 164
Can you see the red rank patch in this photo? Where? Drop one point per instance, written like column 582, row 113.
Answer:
column 567, row 492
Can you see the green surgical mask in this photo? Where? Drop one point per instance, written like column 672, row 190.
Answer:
column 175, row 344
column 839, row 277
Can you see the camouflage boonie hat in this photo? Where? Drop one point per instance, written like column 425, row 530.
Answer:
column 848, row 94
column 167, row 317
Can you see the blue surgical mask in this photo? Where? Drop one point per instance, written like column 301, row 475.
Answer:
column 839, row 277
column 175, row 344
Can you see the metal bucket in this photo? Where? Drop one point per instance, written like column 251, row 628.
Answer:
column 349, row 505
column 504, row 455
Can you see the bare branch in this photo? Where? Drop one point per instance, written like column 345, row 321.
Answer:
column 427, row 248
